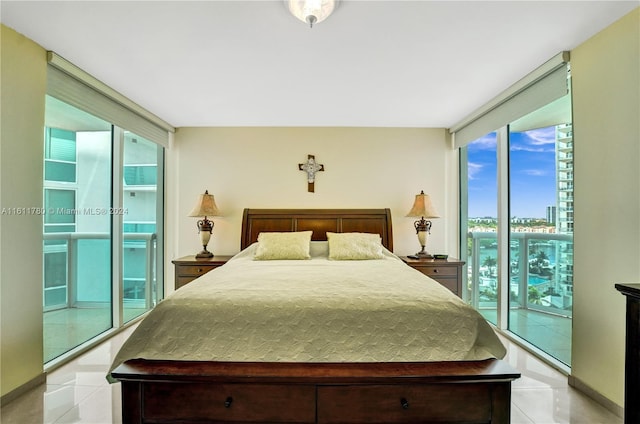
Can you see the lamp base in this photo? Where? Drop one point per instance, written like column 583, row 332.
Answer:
column 424, row 255
column 204, row 254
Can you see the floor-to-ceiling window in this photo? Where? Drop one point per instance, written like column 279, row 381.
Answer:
column 103, row 197
column 517, row 210
column 77, row 236
column 541, row 228
column 481, row 213
column 140, row 224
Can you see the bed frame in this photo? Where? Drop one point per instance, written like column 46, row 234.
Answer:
column 156, row 391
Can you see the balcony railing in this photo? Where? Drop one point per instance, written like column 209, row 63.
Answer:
column 540, row 271
column 92, row 259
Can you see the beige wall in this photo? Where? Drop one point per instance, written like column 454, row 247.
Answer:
column 258, row 168
column 23, row 85
column 606, row 103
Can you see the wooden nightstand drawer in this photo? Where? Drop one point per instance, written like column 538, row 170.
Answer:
column 450, row 283
column 183, row 280
column 194, row 270
column 189, row 268
column 439, row 271
column 402, row 404
column 447, row 272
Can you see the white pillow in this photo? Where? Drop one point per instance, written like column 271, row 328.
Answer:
column 287, row 245
column 319, row 249
column 354, row 246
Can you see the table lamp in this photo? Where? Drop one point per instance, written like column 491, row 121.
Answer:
column 206, row 206
column 423, row 208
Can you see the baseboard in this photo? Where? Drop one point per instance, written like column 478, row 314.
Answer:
column 598, row 397
column 20, row 390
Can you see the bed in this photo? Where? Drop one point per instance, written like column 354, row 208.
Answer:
column 243, row 344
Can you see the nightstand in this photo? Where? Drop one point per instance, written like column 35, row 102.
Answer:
column 188, row 268
column 447, row 272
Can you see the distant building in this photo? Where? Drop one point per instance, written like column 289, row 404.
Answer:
column 551, row 215
column 516, row 220
column 564, row 202
column 564, row 163
column 484, row 220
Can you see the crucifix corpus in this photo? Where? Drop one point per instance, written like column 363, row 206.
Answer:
column 311, row 167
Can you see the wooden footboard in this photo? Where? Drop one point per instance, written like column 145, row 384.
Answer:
column 236, row 392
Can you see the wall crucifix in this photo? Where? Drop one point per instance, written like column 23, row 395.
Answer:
column 311, row 167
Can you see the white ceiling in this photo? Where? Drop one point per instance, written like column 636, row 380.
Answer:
column 251, row 63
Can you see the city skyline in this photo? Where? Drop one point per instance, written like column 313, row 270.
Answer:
column 532, row 172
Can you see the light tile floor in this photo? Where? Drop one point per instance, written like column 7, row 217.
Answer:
column 548, row 332
column 78, row 393
column 542, row 395
column 65, row 329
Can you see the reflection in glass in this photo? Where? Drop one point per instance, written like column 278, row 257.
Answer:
column 140, row 224
column 77, row 228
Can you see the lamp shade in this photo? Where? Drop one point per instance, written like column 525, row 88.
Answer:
column 206, row 206
column 311, row 11
column 422, row 207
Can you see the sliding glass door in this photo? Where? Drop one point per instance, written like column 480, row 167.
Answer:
column 103, row 197
column 103, row 186
column 481, row 225
column 142, row 176
column 541, row 228
column 77, row 228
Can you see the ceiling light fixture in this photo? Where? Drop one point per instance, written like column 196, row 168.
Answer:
column 311, row 11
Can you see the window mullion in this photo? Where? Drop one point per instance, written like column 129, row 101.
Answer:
column 463, row 160
column 160, row 205
column 503, row 227
column 117, row 225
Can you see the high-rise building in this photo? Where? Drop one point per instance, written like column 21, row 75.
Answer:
column 551, row 215
column 564, row 161
column 564, row 211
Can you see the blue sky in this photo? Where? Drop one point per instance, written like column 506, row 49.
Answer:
column 532, row 174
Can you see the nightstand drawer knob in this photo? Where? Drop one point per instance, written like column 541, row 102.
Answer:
column 435, row 270
column 200, row 270
column 404, row 403
column 227, row 402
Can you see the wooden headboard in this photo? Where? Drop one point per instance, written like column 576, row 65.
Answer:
column 319, row 221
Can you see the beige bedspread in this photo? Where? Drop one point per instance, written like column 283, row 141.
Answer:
column 315, row 310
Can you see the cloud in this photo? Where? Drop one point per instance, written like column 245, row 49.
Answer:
column 473, row 169
column 526, row 148
column 485, row 142
column 542, row 136
column 535, row 172
column 541, row 140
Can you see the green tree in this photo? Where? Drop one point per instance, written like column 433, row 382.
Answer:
column 534, row 296
column 539, row 264
column 490, row 263
column 542, row 257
